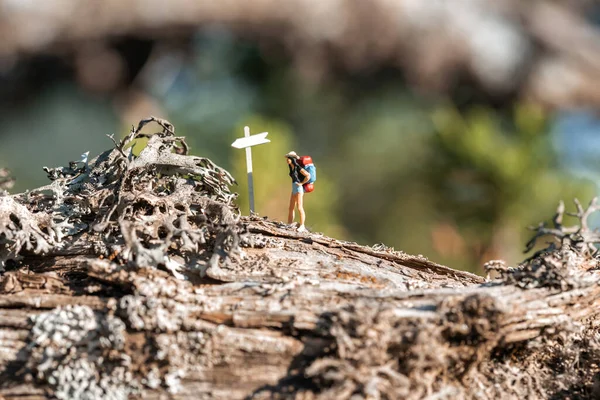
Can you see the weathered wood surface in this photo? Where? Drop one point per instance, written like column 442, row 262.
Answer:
column 251, row 324
column 134, row 277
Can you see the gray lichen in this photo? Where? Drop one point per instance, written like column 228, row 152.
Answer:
column 79, row 354
column 20, row 229
column 160, row 208
column 153, row 314
column 570, row 253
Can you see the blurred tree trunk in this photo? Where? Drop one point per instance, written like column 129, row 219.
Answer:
column 541, row 50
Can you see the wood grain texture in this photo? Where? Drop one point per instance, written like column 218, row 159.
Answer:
column 251, row 326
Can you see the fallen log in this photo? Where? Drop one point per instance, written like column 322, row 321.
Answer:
column 169, row 293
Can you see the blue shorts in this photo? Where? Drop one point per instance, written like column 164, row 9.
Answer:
column 297, row 188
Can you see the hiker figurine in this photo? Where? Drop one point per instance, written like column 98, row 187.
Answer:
column 303, row 174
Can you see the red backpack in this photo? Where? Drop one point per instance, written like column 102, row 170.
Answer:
column 307, row 163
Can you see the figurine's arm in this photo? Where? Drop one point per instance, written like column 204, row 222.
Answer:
column 306, row 177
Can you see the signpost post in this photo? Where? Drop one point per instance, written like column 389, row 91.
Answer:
column 246, row 143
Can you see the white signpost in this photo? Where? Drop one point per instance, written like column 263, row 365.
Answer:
column 246, row 143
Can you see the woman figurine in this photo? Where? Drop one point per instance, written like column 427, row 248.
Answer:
column 299, row 177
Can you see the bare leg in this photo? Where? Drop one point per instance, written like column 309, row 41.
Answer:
column 291, row 214
column 300, row 202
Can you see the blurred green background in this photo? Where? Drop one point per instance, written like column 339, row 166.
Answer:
column 455, row 174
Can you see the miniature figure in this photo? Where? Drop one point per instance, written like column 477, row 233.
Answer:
column 303, row 174
column 299, row 176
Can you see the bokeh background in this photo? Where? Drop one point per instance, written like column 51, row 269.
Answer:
column 441, row 128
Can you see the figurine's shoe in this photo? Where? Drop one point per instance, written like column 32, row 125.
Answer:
column 301, row 228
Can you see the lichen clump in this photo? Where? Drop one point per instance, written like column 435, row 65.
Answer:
column 79, row 354
column 567, row 257
column 162, row 208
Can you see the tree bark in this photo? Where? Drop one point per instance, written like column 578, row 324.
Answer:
column 134, row 277
column 247, row 327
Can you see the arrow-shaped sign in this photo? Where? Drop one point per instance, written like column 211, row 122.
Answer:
column 246, row 143
column 259, row 138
